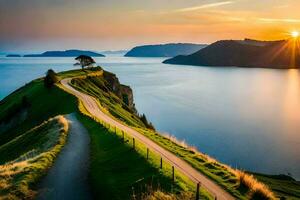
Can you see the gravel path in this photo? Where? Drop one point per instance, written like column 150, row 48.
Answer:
column 67, row 178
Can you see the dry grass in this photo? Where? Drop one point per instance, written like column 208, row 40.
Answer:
column 256, row 189
column 194, row 149
column 158, row 194
column 17, row 176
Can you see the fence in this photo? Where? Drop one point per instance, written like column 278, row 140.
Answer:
column 160, row 160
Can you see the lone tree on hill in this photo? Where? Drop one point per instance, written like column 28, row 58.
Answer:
column 85, row 61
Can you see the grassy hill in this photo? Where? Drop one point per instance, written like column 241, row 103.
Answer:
column 116, row 170
column 28, row 156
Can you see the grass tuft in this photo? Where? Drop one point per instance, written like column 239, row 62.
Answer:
column 257, row 189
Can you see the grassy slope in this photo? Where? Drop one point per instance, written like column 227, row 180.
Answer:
column 30, row 155
column 284, row 186
column 108, row 100
column 118, row 172
column 45, row 104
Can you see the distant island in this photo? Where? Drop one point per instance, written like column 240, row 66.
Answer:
column 13, row 55
column 67, row 53
column 244, row 53
column 164, row 50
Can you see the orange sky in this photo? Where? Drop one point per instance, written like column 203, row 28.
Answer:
column 35, row 25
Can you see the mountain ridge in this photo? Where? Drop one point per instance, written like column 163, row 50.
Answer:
column 164, row 50
column 243, row 53
column 66, row 53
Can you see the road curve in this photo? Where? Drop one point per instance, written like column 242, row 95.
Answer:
column 181, row 165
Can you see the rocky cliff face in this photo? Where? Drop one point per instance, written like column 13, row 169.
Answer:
column 124, row 92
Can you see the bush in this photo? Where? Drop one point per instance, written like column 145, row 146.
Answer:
column 50, row 79
column 145, row 121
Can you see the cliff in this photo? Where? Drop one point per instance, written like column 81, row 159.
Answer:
column 124, row 92
column 164, row 50
column 246, row 53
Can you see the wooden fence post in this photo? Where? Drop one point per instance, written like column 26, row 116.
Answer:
column 198, row 192
column 173, row 174
column 133, row 143
column 147, row 153
column 161, row 163
column 116, row 130
column 123, row 136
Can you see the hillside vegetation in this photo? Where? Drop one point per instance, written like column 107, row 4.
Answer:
column 26, row 158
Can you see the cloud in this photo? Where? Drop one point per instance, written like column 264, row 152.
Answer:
column 209, row 5
column 279, row 20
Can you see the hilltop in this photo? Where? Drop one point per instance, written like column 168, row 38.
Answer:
column 164, row 50
column 67, row 53
column 244, row 53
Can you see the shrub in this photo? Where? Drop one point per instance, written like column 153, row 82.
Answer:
column 50, row 79
column 145, row 121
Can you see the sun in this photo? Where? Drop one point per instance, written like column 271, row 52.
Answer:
column 295, row 34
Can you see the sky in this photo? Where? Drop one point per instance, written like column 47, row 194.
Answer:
column 37, row 25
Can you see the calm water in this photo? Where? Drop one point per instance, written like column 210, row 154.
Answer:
column 248, row 118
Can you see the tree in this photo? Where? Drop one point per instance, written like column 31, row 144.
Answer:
column 84, row 61
column 145, row 121
column 50, row 79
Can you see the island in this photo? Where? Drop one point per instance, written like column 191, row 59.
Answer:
column 164, row 50
column 13, row 55
column 67, row 53
column 283, row 54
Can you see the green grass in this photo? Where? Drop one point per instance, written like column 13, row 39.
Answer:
column 32, row 142
column 117, row 171
column 96, row 86
column 283, row 186
column 212, row 169
column 44, row 104
column 29, row 163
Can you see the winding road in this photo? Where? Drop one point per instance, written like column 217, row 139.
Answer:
column 91, row 105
